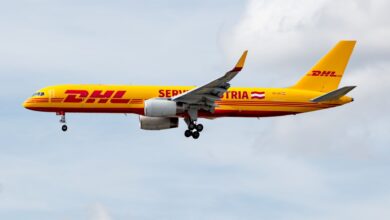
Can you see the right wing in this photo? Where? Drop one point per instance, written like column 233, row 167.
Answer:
column 205, row 96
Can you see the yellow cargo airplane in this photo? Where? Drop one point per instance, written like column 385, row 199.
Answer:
column 160, row 107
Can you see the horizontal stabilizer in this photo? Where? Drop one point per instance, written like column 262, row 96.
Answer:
column 334, row 95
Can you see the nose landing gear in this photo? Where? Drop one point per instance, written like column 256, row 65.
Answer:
column 64, row 127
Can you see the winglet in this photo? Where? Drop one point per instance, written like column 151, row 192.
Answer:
column 240, row 63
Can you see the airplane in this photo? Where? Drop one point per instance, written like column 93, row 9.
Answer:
column 160, row 107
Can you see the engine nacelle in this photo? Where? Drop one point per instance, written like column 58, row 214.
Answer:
column 161, row 108
column 157, row 123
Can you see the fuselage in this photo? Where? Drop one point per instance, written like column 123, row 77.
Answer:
column 237, row 102
column 160, row 107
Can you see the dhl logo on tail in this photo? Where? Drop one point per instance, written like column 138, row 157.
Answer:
column 323, row 73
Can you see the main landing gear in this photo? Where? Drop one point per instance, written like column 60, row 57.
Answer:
column 193, row 130
column 64, row 127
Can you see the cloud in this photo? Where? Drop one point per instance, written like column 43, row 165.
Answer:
column 287, row 37
column 99, row 212
column 331, row 164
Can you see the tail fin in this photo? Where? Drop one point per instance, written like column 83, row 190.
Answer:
column 325, row 76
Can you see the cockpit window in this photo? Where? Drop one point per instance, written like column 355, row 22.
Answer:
column 38, row 94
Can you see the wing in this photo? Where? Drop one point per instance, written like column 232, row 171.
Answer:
column 205, row 96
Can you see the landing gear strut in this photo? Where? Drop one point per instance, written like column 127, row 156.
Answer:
column 64, row 127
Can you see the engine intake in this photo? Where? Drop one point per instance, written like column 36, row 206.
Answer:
column 161, row 108
column 157, row 123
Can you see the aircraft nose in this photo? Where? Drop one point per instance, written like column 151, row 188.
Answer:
column 27, row 103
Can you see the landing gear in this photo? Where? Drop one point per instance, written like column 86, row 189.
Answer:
column 193, row 129
column 191, row 126
column 64, row 127
column 188, row 133
column 199, row 127
column 195, row 134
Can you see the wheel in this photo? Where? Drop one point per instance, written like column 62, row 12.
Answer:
column 195, row 134
column 199, row 127
column 64, row 127
column 191, row 126
column 188, row 133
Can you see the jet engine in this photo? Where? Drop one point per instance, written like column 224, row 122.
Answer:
column 162, row 108
column 157, row 123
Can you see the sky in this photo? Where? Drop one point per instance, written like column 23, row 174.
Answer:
column 331, row 164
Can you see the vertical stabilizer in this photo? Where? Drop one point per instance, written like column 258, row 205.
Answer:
column 326, row 75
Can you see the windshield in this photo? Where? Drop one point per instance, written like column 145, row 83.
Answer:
column 38, row 94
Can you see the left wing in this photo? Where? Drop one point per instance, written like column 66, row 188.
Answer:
column 205, row 96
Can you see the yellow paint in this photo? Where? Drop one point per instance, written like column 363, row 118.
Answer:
column 277, row 101
column 336, row 60
column 241, row 61
column 290, row 101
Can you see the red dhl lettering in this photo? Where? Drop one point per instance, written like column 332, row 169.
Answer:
column 323, row 73
column 75, row 95
column 78, row 96
column 103, row 97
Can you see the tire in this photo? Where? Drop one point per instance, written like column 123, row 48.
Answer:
column 199, row 127
column 191, row 126
column 64, row 128
column 195, row 134
column 188, row 133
